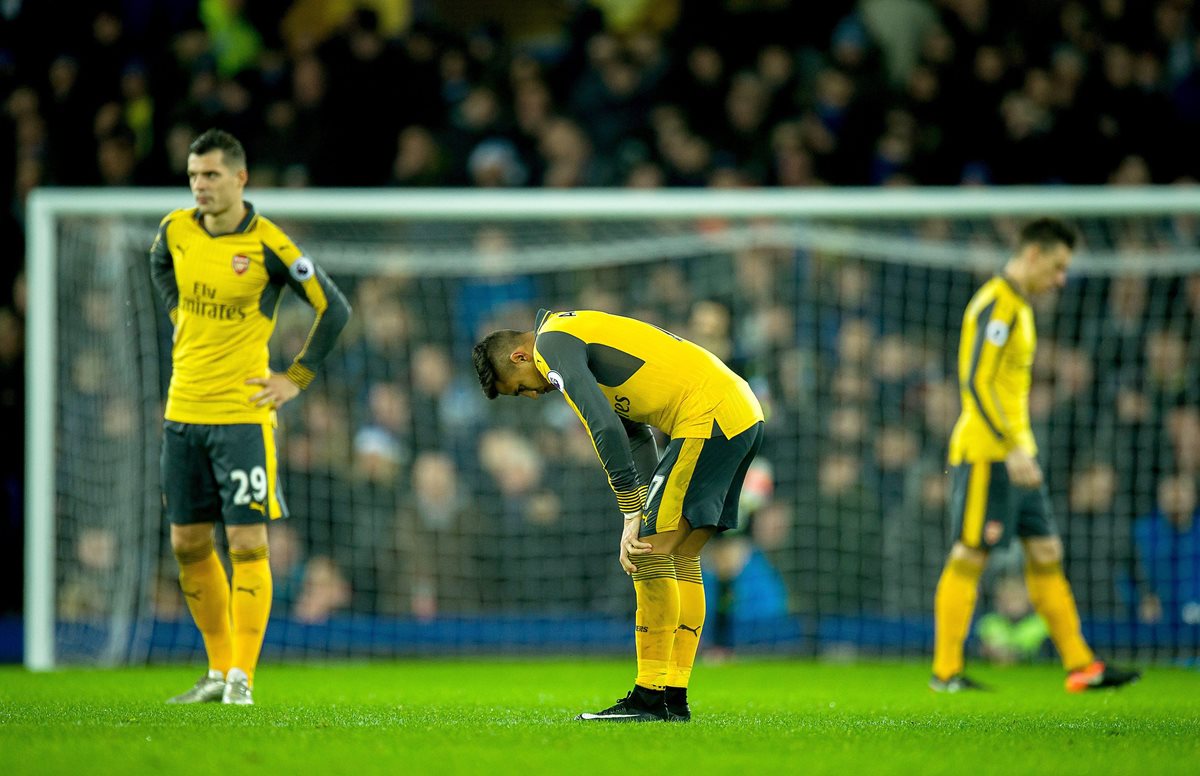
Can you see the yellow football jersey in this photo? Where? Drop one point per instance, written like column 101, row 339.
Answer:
column 222, row 293
column 995, row 363
column 611, row 368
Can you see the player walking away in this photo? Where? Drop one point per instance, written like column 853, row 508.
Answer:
column 622, row 376
column 221, row 268
column 996, row 485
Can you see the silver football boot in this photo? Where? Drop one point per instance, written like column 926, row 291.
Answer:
column 237, row 689
column 209, row 688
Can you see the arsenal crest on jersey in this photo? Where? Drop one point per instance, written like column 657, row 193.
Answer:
column 241, row 263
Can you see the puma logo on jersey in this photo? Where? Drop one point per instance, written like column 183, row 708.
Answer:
column 695, row 631
column 257, row 507
column 251, row 590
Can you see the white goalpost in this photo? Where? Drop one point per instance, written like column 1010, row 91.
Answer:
column 840, row 306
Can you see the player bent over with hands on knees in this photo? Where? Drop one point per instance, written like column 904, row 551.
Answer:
column 996, row 484
column 622, row 376
column 221, row 269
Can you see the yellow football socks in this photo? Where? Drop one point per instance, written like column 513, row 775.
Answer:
column 206, row 590
column 691, row 620
column 1050, row 594
column 657, row 617
column 251, row 606
column 953, row 606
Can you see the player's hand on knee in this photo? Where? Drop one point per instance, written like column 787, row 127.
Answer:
column 277, row 390
column 631, row 544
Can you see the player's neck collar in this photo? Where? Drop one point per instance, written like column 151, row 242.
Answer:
column 542, row 315
column 1017, row 288
column 242, row 227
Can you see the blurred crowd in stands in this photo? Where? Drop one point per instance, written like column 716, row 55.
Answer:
column 643, row 93
column 424, row 476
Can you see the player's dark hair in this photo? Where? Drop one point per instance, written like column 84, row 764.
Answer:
column 1047, row 233
column 491, row 358
column 220, row 140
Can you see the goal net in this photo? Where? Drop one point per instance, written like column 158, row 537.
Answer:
column 427, row 520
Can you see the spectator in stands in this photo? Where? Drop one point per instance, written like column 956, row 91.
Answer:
column 522, row 515
column 910, row 564
column 744, row 588
column 1169, row 380
column 1183, row 429
column 747, row 590
column 419, row 159
column 501, row 291
column 86, row 593
column 324, row 592
column 1168, row 547
column 847, row 517
column 436, row 535
column 287, row 566
column 1096, row 537
column 1013, row 632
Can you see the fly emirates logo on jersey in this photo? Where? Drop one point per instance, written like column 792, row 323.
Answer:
column 202, row 302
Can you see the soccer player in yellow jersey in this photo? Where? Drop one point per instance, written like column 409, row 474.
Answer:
column 221, row 268
column 622, row 376
column 996, row 484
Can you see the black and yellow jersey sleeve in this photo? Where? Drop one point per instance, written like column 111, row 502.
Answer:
column 162, row 268
column 222, row 293
column 621, row 375
column 286, row 266
column 995, row 365
column 566, row 358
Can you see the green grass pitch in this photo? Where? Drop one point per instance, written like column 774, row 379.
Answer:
column 496, row 717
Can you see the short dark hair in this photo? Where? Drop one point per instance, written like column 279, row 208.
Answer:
column 491, row 358
column 220, row 140
column 1046, row 233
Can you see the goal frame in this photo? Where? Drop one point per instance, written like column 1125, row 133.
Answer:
column 46, row 205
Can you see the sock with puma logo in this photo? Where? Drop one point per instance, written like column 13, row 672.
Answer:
column 691, row 619
column 657, row 615
column 206, row 590
column 251, row 606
